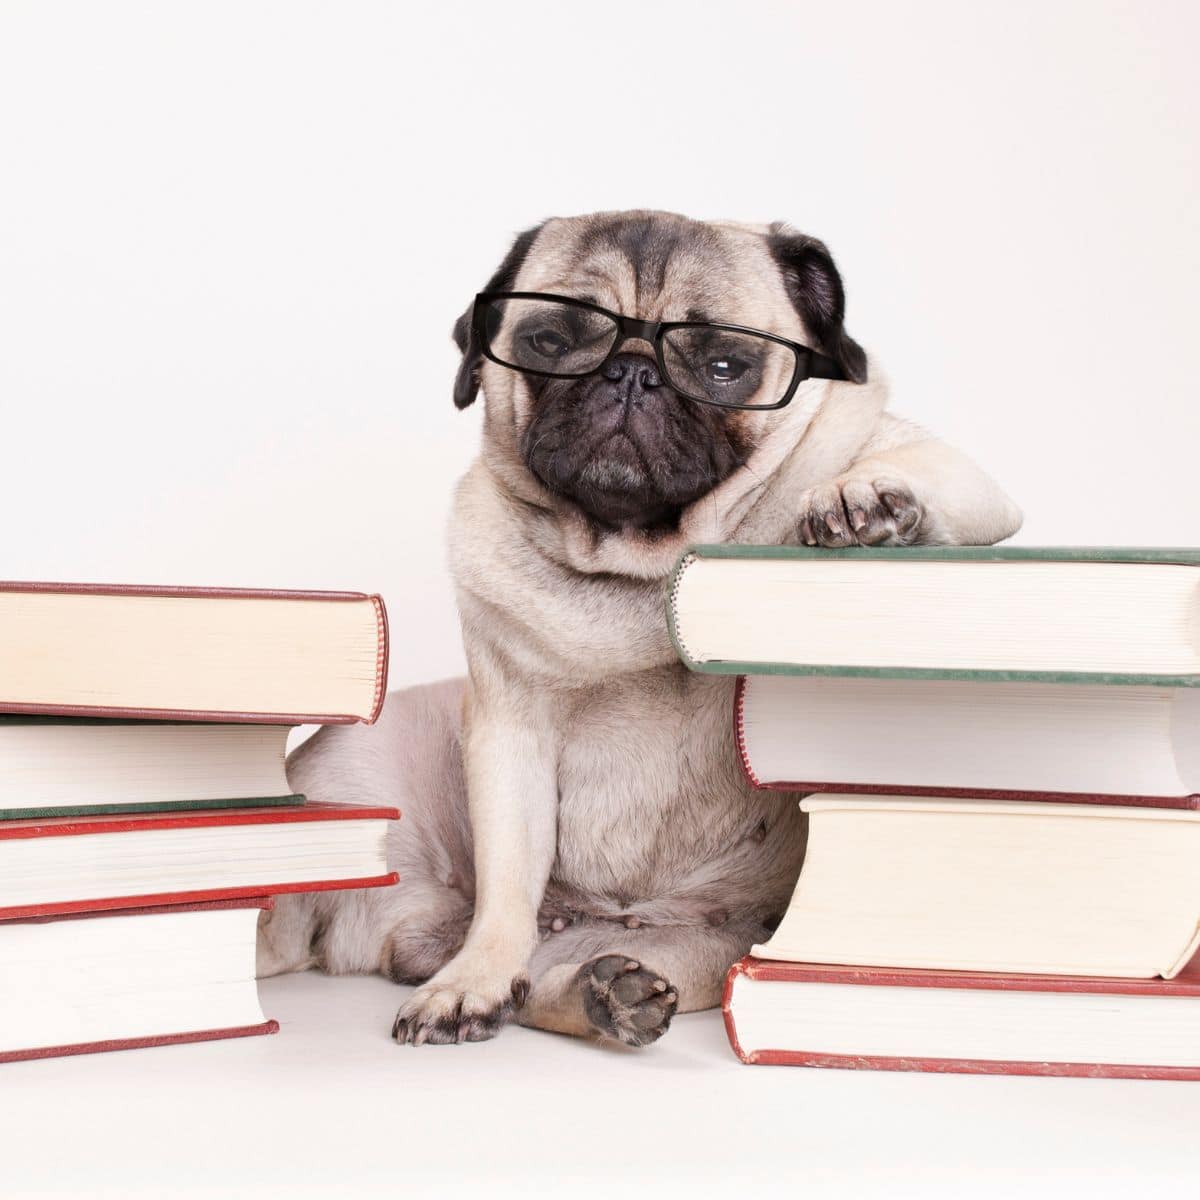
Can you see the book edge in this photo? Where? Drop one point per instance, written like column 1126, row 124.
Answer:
column 967, row 1066
column 163, row 899
column 1185, row 956
column 774, row 970
column 740, row 689
column 182, row 591
column 170, row 1039
column 311, row 810
column 382, row 653
column 1183, row 556
column 266, row 903
column 721, row 666
column 118, row 808
column 185, row 716
column 1190, row 802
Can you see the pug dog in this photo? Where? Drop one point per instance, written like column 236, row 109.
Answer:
column 579, row 849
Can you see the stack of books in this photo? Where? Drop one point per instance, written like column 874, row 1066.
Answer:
column 1001, row 755
column 145, row 815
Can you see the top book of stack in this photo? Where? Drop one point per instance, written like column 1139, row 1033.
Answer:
column 1069, row 615
column 191, row 654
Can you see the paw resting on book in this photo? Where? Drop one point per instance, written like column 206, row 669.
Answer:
column 625, row 1000
column 860, row 512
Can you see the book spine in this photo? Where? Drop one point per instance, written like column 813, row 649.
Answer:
column 382, row 651
column 672, row 615
column 739, row 968
column 739, row 731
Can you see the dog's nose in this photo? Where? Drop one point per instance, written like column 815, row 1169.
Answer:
column 636, row 371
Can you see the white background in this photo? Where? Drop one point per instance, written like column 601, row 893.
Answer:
column 234, row 236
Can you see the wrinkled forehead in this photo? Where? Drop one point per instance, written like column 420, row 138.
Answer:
column 661, row 268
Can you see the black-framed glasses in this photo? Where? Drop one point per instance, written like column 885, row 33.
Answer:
column 560, row 337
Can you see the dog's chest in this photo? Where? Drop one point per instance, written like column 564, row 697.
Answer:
column 649, row 783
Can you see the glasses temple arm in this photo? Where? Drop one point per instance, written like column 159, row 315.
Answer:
column 822, row 367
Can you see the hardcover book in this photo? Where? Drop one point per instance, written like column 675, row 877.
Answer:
column 141, row 977
column 63, row 766
column 948, row 737
column 81, row 864
column 997, row 886
column 195, row 654
column 1051, row 615
column 878, row 1018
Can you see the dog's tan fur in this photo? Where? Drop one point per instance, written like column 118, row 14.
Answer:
column 582, row 850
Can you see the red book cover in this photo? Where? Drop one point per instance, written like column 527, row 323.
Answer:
column 60, row 646
column 173, row 1039
column 908, row 789
column 83, row 826
column 1185, row 984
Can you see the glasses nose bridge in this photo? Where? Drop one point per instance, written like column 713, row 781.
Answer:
column 631, row 329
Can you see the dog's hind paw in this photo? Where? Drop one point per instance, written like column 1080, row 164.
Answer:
column 625, row 1000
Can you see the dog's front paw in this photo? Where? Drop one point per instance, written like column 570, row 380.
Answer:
column 626, row 1001
column 860, row 512
column 459, row 1005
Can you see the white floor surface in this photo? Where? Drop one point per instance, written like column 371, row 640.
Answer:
column 330, row 1106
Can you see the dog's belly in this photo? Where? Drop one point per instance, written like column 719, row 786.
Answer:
column 656, row 821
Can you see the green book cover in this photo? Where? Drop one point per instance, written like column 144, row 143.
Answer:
column 85, row 810
column 1188, row 556
column 19, row 718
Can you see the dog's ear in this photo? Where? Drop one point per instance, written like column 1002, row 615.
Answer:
column 815, row 288
column 466, row 382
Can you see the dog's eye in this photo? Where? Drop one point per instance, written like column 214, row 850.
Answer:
column 548, row 344
column 727, row 369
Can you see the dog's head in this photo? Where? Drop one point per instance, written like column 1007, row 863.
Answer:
column 620, row 443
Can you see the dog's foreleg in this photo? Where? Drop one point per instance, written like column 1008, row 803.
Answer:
column 512, row 798
column 598, row 981
column 907, row 489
